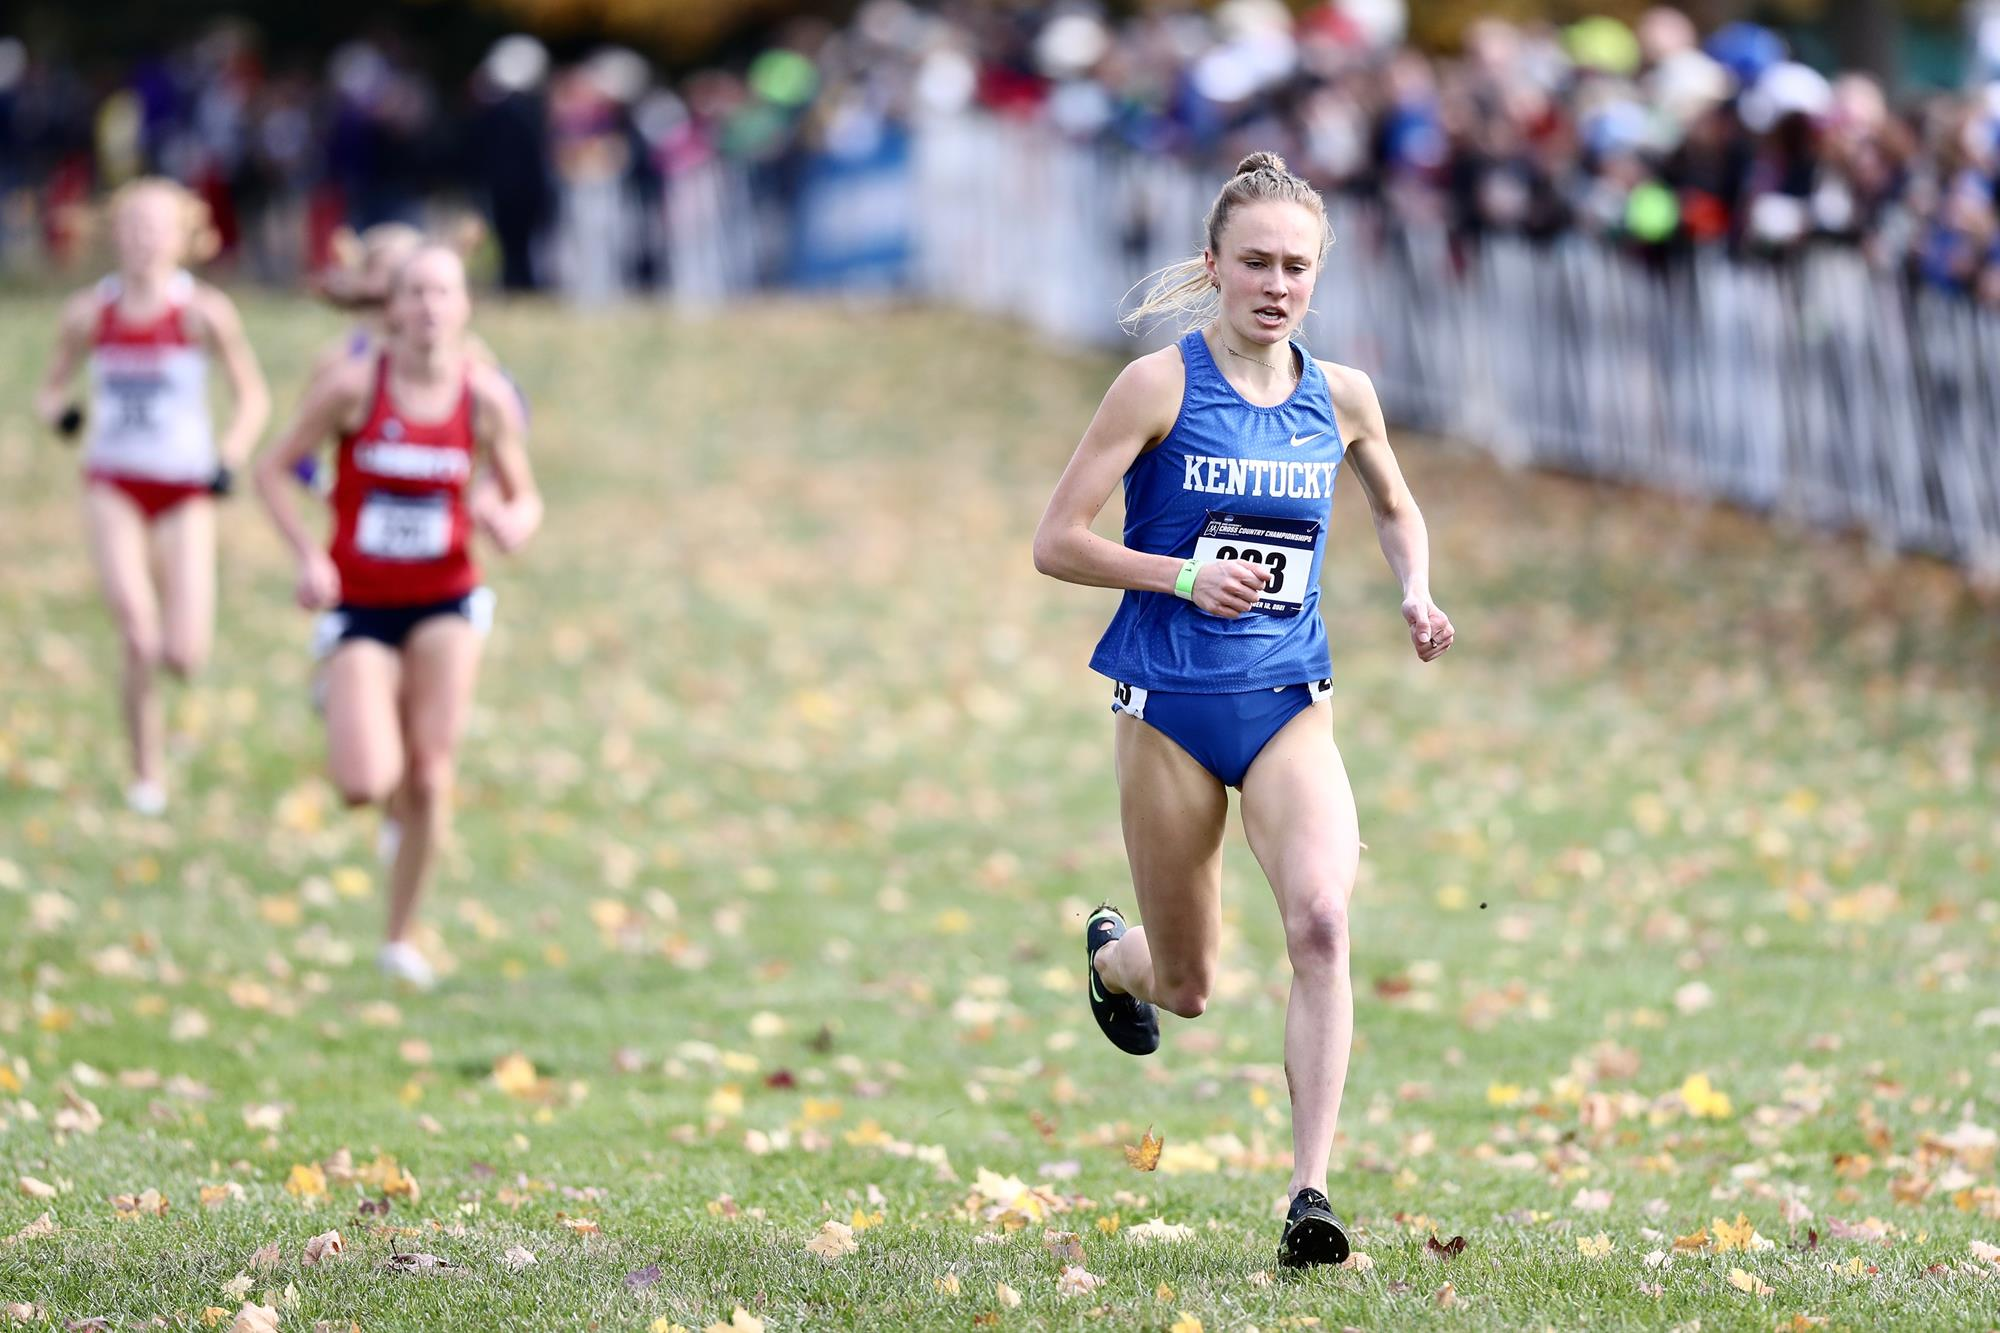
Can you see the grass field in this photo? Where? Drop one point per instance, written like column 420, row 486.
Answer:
column 1675, row 941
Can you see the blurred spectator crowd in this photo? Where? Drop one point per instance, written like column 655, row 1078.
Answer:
column 1653, row 135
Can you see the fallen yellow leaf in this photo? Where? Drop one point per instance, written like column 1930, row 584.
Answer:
column 306, row 1182
column 1703, row 1100
column 515, row 1075
column 1145, row 1156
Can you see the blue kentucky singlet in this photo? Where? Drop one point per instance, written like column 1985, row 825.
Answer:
column 1227, row 456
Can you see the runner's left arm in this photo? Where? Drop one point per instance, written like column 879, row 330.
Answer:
column 510, row 516
column 250, row 398
column 1399, row 524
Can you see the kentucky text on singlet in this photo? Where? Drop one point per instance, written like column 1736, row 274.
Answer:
column 400, row 529
column 1231, row 480
column 149, row 416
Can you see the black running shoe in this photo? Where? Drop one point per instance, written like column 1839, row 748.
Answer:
column 1130, row 1022
column 1313, row 1235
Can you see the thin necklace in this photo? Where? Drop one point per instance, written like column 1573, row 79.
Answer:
column 1257, row 360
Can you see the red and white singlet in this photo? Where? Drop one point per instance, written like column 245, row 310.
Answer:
column 149, row 418
column 401, row 534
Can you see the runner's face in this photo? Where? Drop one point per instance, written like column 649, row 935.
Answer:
column 1265, row 265
column 148, row 231
column 429, row 306
column 378, row 271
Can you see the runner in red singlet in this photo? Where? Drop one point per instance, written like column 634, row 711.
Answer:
column 405, row 613
column 151, row 455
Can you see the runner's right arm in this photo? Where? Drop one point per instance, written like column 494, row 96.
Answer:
column 330, row 404
column 1138, row 411
column 52, row 400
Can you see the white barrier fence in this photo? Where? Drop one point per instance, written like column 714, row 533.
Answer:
column 1821, row 390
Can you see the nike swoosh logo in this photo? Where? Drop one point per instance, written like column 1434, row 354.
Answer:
column 1096, row 993
column 1298, row 440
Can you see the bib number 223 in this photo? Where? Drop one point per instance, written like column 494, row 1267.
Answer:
column 1283, row 546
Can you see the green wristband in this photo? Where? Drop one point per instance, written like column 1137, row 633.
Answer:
column 1184, row 584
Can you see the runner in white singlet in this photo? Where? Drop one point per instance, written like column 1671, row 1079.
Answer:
column 153, row 462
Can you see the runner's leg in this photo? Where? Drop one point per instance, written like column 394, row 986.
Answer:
column 184, row 536
column 364, row 742
column 441, row 665
column 1173, row 811
column 1298, row 812
column 118, row 548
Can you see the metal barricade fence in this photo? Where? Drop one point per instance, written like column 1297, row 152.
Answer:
column 1822, row 390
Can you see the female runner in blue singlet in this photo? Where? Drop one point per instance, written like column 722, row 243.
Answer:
column 1228, row 442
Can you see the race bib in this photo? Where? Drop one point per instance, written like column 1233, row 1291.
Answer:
column 403, row 527
column 1284, row 546
column 131, row 400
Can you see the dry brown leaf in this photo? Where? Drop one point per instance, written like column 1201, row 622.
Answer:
column 323, row 1248
column 1159, row 1231
column 1446, row 1297
column 1444, row 1251
column 255, row 1318
column 1065, row 1247
column 518, row 1257
column 149, row 1203
column 36, row 1189
column 1145, row 1155
column 266, row 1257
column 420, row 1263
column 268, row 1117
column 833, row 1240
column 45, row 1225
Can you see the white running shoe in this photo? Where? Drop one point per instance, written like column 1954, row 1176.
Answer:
column 400, row 960
column 388, row 840
column 147, row 798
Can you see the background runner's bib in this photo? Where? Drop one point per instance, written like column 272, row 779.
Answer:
column 149, row 417
column 1269, row 472
column 403, row 527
